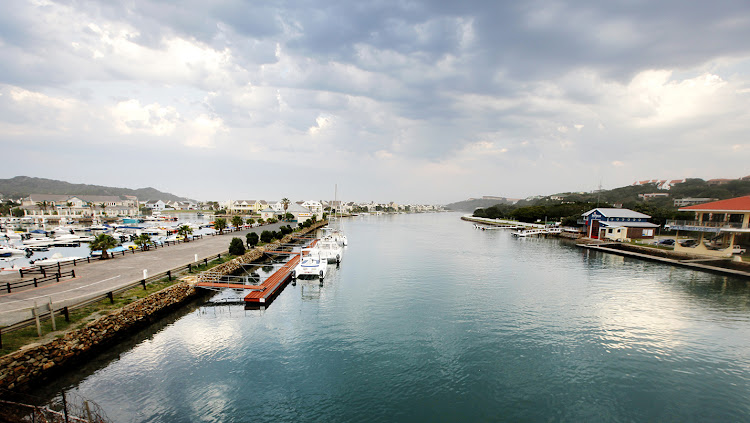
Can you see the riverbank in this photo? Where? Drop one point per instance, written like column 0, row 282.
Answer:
column 37, row 362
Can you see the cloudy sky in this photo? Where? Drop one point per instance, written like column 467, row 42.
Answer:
column 406, row 101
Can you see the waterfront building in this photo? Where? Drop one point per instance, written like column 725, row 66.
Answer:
column 617, row 224
column 682, row 202
column 725, row 223
column 64, row 205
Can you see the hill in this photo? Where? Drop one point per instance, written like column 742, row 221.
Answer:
column 475, row 203
column 22, row 186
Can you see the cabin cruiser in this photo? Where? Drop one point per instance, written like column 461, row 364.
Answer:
column 312, row 265
column 330, row 249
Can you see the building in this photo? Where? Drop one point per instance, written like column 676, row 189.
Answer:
column 725, row 223
column 64, row 205
column 617, row 224
column 300, row 213
column 682, row 202
column 653, row 195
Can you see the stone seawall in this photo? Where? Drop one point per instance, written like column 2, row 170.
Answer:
column 25, row 367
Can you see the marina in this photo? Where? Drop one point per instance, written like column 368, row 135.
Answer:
column 522, row 330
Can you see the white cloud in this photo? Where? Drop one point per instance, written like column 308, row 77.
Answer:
column 130, row 117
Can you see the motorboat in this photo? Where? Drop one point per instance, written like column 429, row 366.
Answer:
column 312, row 265
column 10, row 251
column 14, row 267
column 11, row 235
column 119, row 249
column 56, row 258
column 330, row 249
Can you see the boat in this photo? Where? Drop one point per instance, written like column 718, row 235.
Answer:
column 311, row 266
column 10, row 251
column 330, row 249
column 56, row 258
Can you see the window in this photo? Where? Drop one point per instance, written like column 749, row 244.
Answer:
column 648, row 232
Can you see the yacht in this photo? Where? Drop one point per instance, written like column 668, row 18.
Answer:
column 56, row 258
column 312, row 265
column 330, row 248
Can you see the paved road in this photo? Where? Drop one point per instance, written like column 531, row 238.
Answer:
column 102, row 276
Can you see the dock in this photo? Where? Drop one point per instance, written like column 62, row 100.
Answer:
column 260, row 293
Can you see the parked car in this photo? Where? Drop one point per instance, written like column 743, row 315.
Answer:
column 736, row 249
column 689, row 243
column 668, row 241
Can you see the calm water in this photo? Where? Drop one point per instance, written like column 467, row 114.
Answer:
column 430, row 320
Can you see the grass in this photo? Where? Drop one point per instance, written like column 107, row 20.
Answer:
column 13, row 341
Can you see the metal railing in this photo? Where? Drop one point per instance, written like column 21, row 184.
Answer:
column 10, row 286
column 704, row 224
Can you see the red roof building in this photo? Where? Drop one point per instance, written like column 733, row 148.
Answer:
column 728, row 220
column 732, row 205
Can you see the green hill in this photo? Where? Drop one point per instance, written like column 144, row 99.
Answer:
column 23, row 186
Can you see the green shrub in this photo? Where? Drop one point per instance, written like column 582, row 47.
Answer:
column 236, row 247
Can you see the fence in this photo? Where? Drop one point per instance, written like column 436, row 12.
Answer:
column 51, row 310
column 9, row 286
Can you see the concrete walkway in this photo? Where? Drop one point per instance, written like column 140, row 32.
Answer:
column 102, row 276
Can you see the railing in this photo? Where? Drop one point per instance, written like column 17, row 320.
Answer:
column 10, row 286
column 704, row 224
column 51, row 310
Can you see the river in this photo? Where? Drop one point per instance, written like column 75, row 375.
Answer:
column 428, row 319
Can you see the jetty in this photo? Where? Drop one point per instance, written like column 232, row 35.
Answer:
column 259, row 293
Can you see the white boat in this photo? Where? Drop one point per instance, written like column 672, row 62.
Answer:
column 56, row 258
column 312, row 265
column 10, row 235
column 330, row 248
column 43, row 241
column 10, row 251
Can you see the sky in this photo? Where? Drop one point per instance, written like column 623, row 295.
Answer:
column 406, row 101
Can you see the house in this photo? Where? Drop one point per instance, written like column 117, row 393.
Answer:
column 315, row 207
column 300, row 213
column 653, row 195
column 689, row 201
column 155, row 205
column 726, row 223
column 269, row 213
column 617, row 224
column 78, row 205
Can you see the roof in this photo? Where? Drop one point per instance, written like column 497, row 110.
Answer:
column 294, row 207
column 738, row 204
column 610, row 212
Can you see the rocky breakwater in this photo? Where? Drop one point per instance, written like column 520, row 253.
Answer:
column 33, row 364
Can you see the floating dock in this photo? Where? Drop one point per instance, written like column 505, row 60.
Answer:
column 262, row 293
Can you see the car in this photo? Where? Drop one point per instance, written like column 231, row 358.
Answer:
column 736, row 249
column 689, row 243
column 668, row 241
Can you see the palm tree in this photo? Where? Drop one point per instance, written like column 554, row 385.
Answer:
column 220, row 224
column 285, row 203
column 184, row 230
column 42, row 206
column 237, row 221
column 143, row 241
column 103, row 242
column 103, row 207
column 91, row 206
column 69, row 205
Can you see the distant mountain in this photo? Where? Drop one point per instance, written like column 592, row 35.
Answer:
column 475, row 203
column 23, row 186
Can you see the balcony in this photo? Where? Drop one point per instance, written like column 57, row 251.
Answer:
column 698, row 226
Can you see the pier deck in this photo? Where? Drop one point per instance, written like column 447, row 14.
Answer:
column 273, row 283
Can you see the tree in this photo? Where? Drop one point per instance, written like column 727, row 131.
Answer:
column 220, row 224
column 16, row 212
column 69, row 205
column 237, row 221
column 285, row 203
column 250, row 221
column 43, row 206
column 103, row 242
column 252, row 239
column 143, row 241
column 103, row 207
column 288, row 216
column 261, row 221
column 236, row 247
column 184, row 230
column 266, row 236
